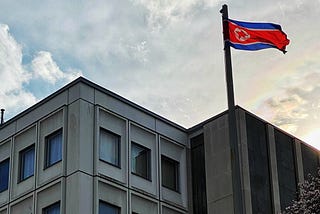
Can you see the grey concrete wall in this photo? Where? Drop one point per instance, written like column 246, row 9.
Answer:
column 149, row 140
column 119, row 126
column 48, row 195
column 47, row 126
column 170, row 210
column 23, row 206
column 244, row 160
column 218, row 167
column 112, row 194
column 273, row 170
column 299, row 164
column 21, row 141
column 79, row 193
column 4, row 211
column 80, row 180
column 176, row 152
column 142, row 205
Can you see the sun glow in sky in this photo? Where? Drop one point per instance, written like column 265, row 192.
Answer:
column 164, row 55
column 313, row 137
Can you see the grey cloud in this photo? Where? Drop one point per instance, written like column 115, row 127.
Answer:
column 298, row 109
column 166, row 57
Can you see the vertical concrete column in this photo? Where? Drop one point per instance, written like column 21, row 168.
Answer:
column 79, row 194
column 189, row 177
column 80, row 137
column 299, row 163
column 218, row 166
column 273, row 170
column 244, row 160
column 79, row 181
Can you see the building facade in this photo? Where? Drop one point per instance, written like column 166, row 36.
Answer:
column 87, row 150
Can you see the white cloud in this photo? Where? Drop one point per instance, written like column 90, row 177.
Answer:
column 13, row 97
column 45, row 68
column 162, row 13
column 15, row 76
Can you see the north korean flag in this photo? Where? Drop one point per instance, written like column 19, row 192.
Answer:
column 255, row 36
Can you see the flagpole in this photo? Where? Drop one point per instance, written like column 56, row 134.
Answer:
column 233, row 136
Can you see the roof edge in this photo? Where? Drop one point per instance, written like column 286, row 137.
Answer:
column 97, row 87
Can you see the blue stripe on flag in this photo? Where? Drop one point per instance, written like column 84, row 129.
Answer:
column 258, row 26
column 251, row 47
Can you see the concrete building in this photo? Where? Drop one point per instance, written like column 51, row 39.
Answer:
column 86, row 150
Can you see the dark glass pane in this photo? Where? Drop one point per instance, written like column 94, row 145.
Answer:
column 53, row 148
column 258, row 166
column 105, row 208
column 198, row 175
column 310, row 159
column 27, row 163
column 4, row 174
column 109, row 148
column 140, row 160
column 53, row 209
column 286, row 169
column 170, row 173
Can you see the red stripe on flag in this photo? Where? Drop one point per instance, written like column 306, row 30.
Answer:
column 241, row 35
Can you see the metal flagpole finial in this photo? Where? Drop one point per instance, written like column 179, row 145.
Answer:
column 224, row 9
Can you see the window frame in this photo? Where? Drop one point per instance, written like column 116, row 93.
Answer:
column 7, row 184
column 118, row 209
column 21, row 162
column 118, row 165
column 176, row 165
column 47, row 163
column 45, row 209
column 149, row 170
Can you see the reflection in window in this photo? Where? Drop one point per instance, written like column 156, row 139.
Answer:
column 26, row 163
column 106, row 208
column 52, row 209
column 4, row 175
column 170, row 173
column 140, row 161
column 53, row 148
column 109, row 148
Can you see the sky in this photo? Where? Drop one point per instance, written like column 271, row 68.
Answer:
column 165, row 55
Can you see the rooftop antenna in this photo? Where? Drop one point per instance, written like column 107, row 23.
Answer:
column 2, row 114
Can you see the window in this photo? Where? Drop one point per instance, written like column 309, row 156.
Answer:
column 170, row 173
column 52, row 209
column 26, row 163
column 140, row 161
column 4, row 175
column 109, row 150
column 53, row 148
column 106, row 208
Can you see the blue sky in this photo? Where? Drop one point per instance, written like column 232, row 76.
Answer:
column 165, row 55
